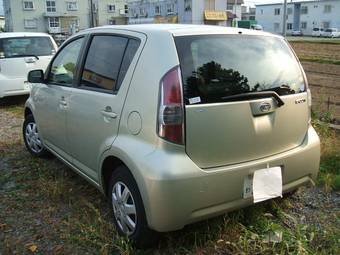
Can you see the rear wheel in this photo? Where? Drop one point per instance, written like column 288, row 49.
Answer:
column 128, row 210
column 32, row 139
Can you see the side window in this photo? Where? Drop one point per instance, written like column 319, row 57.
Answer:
column 130, row 52
column 63, row 68
column 103, row 62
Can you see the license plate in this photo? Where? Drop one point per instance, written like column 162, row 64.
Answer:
column 264, row 184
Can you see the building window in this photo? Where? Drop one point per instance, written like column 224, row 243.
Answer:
column 327, row 9
column 261, row 11
column 230, row 7
column 304, row 9
column 53, row 22
column 289, row 26
column 142, row 11
column 111, row 8
column 126, row 9
column 326, row 24
column 50, row 6
column 277, row 11
column 28, row 5
column 303, row 25
column 72, row 6
column 289, row 11
column 170, row 8
column 276, row 26
column 30, row 23
column 187, row 5
column 157, row 10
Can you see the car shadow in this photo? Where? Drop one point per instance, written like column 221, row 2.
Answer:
column 13, row 101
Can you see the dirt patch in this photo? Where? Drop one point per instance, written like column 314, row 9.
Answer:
column 317, row 50
column 323, row 78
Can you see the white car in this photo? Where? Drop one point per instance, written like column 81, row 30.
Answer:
column 257, row 27
column 317, row 32
column 331, row 32
column 19, row 54
column 296, row 33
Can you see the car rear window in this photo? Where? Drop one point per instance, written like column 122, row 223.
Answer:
column 217, row 66
column 26, row 46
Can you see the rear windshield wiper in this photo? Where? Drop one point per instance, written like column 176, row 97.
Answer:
column 283, row 89
column 254, row 95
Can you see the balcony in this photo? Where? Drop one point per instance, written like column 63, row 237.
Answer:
column 58, row 14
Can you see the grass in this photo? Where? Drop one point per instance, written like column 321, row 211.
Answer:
column 315, row 41
column 320, row 60
column 53, row 208
column 329, row 174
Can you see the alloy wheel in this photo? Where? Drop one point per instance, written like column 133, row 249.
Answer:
column 124, row 208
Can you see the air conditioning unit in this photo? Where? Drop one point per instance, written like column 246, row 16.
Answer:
column 122, row 12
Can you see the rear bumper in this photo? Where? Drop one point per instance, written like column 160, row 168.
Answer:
column 13, row 87
column 176, row 192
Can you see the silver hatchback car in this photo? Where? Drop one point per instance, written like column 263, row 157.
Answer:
column 175, row 123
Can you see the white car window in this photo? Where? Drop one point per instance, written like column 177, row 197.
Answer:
column 26, row 46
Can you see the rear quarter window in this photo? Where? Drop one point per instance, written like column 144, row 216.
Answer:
column 217, row 66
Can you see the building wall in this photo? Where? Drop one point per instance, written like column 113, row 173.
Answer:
column 16, row 15
column 70, row 20
column 187, row 11
column 145, row 11
column 315, row 16
column 107, row 17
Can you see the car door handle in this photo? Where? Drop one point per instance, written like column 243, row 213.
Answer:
column 109, row 114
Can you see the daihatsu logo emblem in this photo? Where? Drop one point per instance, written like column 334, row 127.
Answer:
column 265, row 107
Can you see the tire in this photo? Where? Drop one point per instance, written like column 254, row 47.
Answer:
column 129, row 224
column 31, row 137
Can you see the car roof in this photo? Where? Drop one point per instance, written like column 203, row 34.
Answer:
column 22, row 34
column 180, row 29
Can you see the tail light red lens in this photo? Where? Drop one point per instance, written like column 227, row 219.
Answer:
column 171, row 109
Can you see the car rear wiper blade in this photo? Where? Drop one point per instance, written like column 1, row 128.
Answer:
column 254, row 95
column 283, row 88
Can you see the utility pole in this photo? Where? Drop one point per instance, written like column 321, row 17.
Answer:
column 284, row 21
column 235, row 21
column 91, row 14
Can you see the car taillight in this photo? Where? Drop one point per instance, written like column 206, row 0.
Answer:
column 171, row 109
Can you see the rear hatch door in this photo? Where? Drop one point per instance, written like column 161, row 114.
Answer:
column 245, row 98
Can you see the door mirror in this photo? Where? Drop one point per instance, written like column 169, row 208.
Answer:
column 36, row 76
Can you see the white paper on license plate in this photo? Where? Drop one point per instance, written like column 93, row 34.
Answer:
column 267, row 184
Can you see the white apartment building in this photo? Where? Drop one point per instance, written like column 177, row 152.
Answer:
column 301, row 15
column 62, row 17
column 213, row 12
